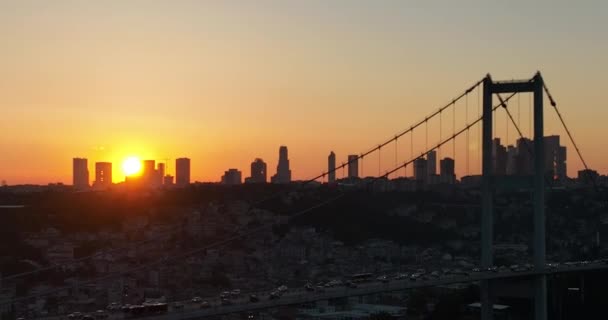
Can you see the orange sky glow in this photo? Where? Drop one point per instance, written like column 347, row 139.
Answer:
column 223, row 84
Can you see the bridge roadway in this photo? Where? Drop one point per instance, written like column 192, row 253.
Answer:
column 300, row 296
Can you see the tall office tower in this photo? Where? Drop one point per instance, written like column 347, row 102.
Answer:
column 283, row 173
column 182, row 172
column 148, row 173
column 525, row 154
column 353, row 166
column 421, row 169
column 511, row 160
column 103, row 175
column 331, row 167
column 160, row 173
column 258, row 171
column 499, row 157
column 551, row 151
column 231, row 177
column 561, row 164
column 431, row 162
column 80, row 173
column 447, row 173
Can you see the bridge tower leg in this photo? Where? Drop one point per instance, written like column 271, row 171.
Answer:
column 540, row 296
column 487, row 206
column 490, row 87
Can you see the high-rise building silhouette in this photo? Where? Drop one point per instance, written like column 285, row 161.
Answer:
column 431, row 159
column 421, row 170
column 551, row 149
column 331, row 167
column 258, row 172
column 525, row 155
column 160, row 173
column 499, row 158
column 80, row 173
column 182, row 172
column 231, row 177
column 561, row 165
column 149, row 173
column 511, row 160
column 353, row 166
column 283, row 174
column 103, row 175
column 447, row 172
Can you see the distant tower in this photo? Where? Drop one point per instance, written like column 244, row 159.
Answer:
column 421, row 169
column 561, row 166
column 283, row 172
column 499, row 156
column 431, row 158
column 149, row 172
column 160, row 173
column 80, row 173
column 103, row 175
column 331, row 168
column 353, row 166
column 232, row 177
column 447, row 173
column 258, row 171
column 182, row 172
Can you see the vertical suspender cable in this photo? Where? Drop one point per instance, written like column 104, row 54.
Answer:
column 466, row 120
column 426, row 127
column 440, row 135
column 530, row 117
column 379, row 160
column 518, row 109
column 454, row 131
column 507, row 127
column 412, row 149
column 479, row 141
column 396, row 154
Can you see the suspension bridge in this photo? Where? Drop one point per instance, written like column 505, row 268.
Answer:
column 482, row 129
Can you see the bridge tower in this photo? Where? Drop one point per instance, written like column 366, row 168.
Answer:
column 490, row 87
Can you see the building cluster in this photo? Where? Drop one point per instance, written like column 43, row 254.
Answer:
column 518, row 160
column 152, row 175
column 425, row 170
column 259, row 171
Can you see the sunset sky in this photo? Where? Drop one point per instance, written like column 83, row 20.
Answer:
column 224, row 82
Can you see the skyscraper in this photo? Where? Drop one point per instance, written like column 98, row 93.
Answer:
column 182, row 172
column 353, row 166
column 148, row 174
column 421, row 169
column 551, row 150
column 331, row 167
column 80, row 173
column 525, row 154
column 431, row 158
column 511, row 160
column 561, row 165
column 258, row 171
column 160, row 173
column 231, row 177
column 103, row 175
column 499, row 157
column 283, row 173
column 447, row 173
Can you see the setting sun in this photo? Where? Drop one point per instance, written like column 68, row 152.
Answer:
column 131, row 166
